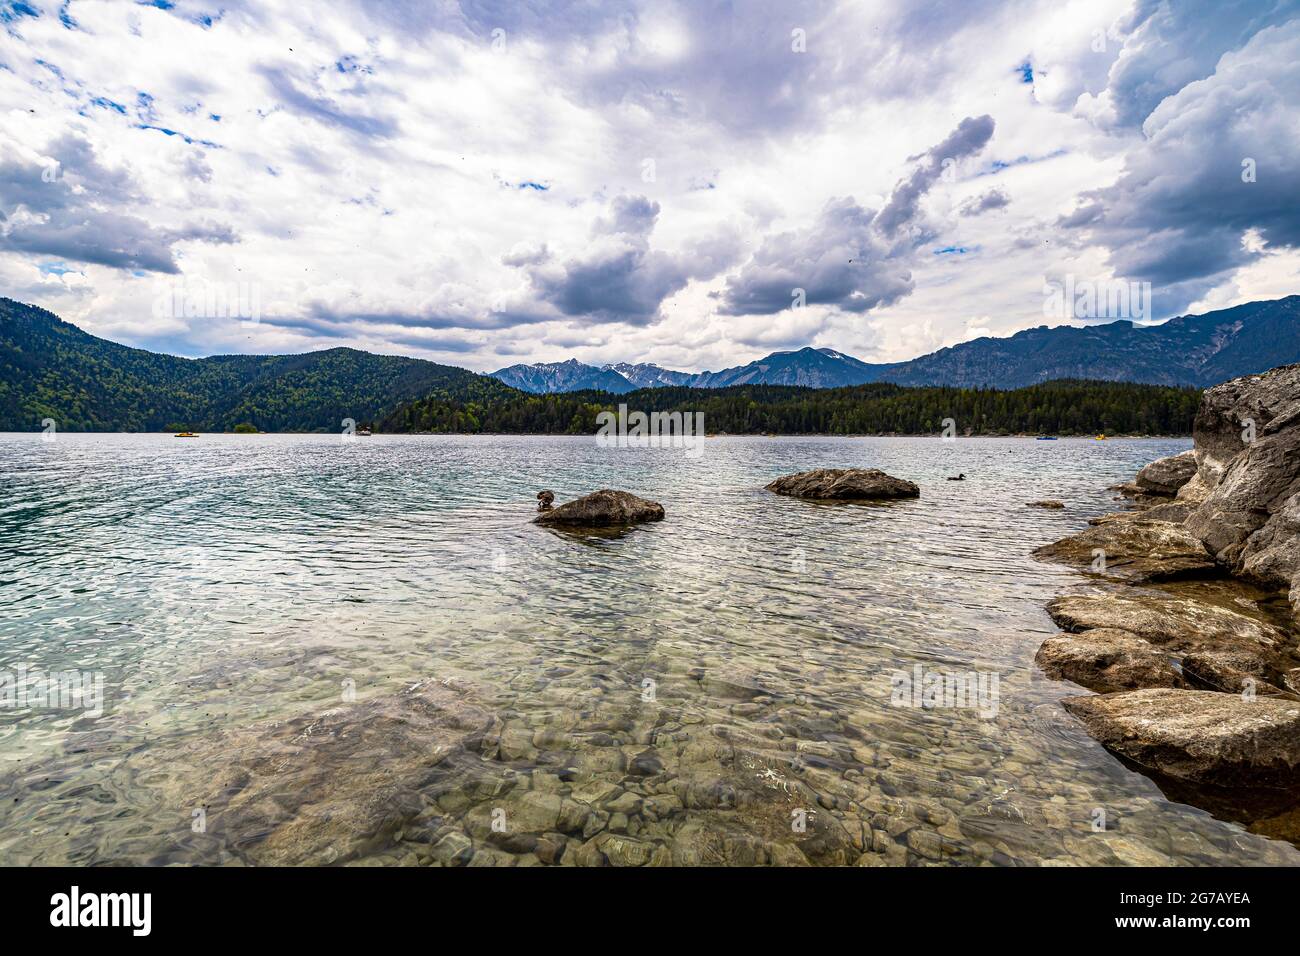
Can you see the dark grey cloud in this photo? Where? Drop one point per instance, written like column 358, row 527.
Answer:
column 987, row 202
column 739, row 71
column 971, row 135
column 1169, row 44
column 69, row 211
column 351, row 327
column 619, row 277
column 840, row 260
column 1177, row 214
column 852, row 257
column 321, row 317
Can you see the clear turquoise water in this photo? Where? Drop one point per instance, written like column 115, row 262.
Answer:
column 227, row 586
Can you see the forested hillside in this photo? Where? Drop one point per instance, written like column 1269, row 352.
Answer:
column 52, row 369
column 1058, row 408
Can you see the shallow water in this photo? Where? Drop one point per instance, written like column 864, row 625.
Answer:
column 714, row 688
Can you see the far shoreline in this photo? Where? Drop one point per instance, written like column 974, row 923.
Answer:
column 1060, row 437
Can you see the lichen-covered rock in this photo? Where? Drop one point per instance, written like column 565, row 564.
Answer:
column 602, row 509
column 1165, row 476
column 1176, row 623
column 844, row 484
column 1106, row 660
column 1135, row 549
column 1227, row 740
column 1229, row 671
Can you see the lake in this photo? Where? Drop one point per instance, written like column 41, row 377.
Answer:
column 313, row 650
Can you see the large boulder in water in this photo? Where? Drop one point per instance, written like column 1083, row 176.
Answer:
column 1250, row 515
column 1227, row 740
column 602, row 509
column 1165, row 476
column 844, row 484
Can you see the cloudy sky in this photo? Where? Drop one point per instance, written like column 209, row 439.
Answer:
column 489, row 182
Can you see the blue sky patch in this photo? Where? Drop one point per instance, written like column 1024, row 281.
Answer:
column 10, row 12
column 171, row 132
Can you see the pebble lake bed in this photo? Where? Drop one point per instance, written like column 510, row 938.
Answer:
column 318, row 651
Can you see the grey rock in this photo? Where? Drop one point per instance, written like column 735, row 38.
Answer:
column 1230, row 671
column 1249, row 518
column 844, row 484
column 1225, row 409
column 1201, row 736
column 1135, row 549
column 1272, row 554
column 336, row 786
column 1165, row 476
column 1176, row 623
column 1106, row 660
column 454, row 849
column 602, row 509
column 1047, row 503
column 1175, row 512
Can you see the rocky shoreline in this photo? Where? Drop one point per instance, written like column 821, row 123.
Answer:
column 1191, row 648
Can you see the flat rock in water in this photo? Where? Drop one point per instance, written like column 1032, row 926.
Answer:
column 602, row 509
column 1140, row 550
column 1106, row 660
column 1202, row 736
column 844, row 484
column 1180, row 624
column 1047, row 503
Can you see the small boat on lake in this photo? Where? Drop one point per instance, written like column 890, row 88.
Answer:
column 186, row 435
column 1047, row 438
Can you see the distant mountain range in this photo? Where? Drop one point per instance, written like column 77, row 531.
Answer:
column 52, row 369
column 571, row 376
column 1198, row 350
